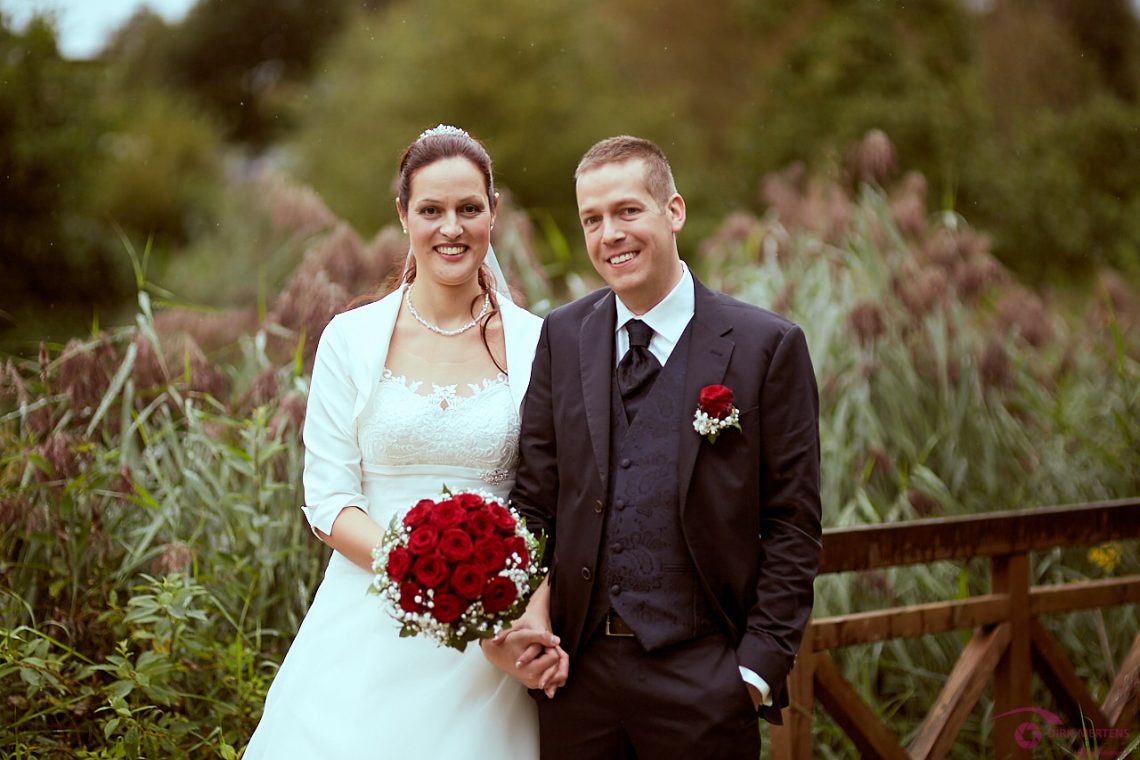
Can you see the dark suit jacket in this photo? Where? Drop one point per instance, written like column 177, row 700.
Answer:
column 750, row 508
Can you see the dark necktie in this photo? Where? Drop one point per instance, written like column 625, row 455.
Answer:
column 637, row 369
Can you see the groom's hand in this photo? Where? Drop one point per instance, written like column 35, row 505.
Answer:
column 531, row 656
column 536, row 658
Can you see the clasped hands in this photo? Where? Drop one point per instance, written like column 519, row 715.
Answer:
column 531, row 655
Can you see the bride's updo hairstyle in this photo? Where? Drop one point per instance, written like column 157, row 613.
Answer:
column 439, row 143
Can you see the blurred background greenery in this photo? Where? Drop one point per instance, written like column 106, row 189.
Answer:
column 945, row 195
column 1021, row 114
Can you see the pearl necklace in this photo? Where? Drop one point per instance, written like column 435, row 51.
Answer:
column 439, row 330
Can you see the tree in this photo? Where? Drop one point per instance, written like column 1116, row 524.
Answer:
column 234, row 55
column 85, row 159
column 50, row 252
column 533, row 87
column 1109, row 31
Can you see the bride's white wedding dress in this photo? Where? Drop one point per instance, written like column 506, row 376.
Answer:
column 350, row 687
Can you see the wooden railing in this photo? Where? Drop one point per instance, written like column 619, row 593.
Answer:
column 1008, row 646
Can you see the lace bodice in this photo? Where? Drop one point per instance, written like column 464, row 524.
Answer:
column 478, row 428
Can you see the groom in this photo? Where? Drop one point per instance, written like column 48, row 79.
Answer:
column 681, row 569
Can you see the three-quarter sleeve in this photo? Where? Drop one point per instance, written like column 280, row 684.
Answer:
column 332, row 476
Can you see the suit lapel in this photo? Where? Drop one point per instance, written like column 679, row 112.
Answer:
column 596, row 355
column 709, row 354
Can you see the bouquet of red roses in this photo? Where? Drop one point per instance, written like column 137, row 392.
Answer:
column 457, row 569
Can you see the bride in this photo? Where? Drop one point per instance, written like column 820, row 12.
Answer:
column 418, row 390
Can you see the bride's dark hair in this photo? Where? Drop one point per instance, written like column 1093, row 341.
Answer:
column 435, row 146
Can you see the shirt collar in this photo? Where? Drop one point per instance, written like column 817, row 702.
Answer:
column 671, row 314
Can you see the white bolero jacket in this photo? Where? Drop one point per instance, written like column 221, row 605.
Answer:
column 349, row 365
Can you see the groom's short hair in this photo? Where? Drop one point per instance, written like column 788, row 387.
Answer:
column 616, row 150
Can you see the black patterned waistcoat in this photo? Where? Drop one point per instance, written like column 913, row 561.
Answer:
column 645, row 572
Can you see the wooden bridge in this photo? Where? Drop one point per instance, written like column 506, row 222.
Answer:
column 1009, row 643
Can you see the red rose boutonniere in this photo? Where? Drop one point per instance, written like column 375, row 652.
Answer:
column 715, row 412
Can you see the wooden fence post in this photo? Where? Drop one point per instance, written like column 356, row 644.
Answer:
column 1013, row 677
column 792, row 741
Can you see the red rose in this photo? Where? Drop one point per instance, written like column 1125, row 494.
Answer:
column 423, row 540
column 490, row 555
column 470, row 500
column 716, row 401
column 408, row 594
column 399, row 561
column 446, row 608
column 455, row 545
column 468, row 581
column 516, row 545
column 447, row 514
column 430, row 570
column 419, row 513
column 502, row 519
column 479, row 523
column 499, row 595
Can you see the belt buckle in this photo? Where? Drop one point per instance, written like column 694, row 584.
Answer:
column 609, row 630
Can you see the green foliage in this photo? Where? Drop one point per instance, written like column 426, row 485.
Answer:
column 865, row 65
column 1069, row 198
column 233, row 54
column 532, row 88
column 48, row 132
column 82, row 163
column 249, row 253
column 733, row 91
column 172, row 686
column 155, row 568
column 159, row 169
column 1108, row 33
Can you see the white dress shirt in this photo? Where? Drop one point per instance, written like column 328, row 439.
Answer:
column 669, row 318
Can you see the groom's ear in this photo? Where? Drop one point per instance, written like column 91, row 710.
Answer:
column 675, row 210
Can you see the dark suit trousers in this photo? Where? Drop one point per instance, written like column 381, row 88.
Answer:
column 685, row 701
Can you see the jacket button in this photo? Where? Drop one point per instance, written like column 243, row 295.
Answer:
column 620, row 504
column 598, row 506
column 615, row 589
column 625, row 463
column 586, row 574
column 615, row 547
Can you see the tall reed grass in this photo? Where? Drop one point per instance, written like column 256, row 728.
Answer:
column 946, row 389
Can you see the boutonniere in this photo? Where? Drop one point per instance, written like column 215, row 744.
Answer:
column 715, row 412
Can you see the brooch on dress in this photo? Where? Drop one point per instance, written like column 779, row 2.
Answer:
column 495, row 476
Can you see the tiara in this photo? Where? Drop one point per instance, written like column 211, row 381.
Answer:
column 443, row 129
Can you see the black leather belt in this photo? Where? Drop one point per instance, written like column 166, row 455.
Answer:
column 615, row 626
